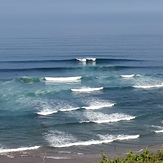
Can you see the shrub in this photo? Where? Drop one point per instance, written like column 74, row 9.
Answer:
column 145, row 157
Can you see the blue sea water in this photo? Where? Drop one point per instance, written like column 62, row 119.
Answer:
column 77, row 95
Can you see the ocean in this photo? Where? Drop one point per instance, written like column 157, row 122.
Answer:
column 78, row 95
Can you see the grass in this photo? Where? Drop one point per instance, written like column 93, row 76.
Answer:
column 145, row 157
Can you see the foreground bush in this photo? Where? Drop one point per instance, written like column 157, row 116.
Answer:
column 145, row 157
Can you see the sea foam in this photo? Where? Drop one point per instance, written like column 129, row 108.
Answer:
column 148, row 86
column 158, row 127
column 63, row 79
column 128, row 76
column 62, row 139
column 86, row 59
column 46, row 112
column 95, row 103
column 92, row 107
column 86, row 89
column 69, row 109
column 98, row 117
column 18, row 149
column 158, row 131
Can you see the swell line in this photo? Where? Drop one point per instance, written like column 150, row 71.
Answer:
column 98, row 60
column 87, row 68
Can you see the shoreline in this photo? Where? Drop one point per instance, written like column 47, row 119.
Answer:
column 40, row 157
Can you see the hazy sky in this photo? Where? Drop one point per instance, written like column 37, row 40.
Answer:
column 41, row 18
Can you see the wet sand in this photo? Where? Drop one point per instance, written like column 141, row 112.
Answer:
column 28, row 159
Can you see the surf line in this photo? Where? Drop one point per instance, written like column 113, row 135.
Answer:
column 87, row 89
column 63, row 79
column 86, row 59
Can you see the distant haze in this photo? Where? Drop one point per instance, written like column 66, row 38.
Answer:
column 40, row 18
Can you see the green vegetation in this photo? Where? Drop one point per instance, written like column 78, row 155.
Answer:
column 145, row 157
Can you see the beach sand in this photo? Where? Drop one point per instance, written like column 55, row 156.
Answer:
column 28, row 159
column 40, row 157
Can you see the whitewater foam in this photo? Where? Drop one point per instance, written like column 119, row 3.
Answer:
column 59, row 138
column 91, row 59
column 128, row 76
column 158, row 127
column 46, row 112
column 118, row 137
column 158, row 131
column 63, row 79
column 148, row 86
column 81, row 59
column 69, row 109
column 86, row 59
column 86, row 89
column 96, row 142
column 95, row 103
column 98, row 117
column 62, row 139
column 96, row 106
column 19, row 149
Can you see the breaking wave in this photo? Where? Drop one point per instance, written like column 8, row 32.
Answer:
column 98, row 117
column 86, row 89
column 63, row 79
column 160, row 129
column 128, row 76
column 46, row 112
column 97, row 104
column 61, row 139
column 18, row 149
column 86, row 59
column 148, row 86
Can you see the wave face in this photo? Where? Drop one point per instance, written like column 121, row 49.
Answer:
column 80, row 94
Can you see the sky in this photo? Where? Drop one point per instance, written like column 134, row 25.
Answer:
column 48, row 18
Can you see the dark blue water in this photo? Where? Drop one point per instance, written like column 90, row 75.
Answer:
column 77, row 95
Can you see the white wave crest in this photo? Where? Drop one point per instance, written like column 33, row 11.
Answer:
column 96, row 142
column 105, row 118
column 96, row 106
column 111, row 138
column 69, row 109
column 48, row 107
column 59, row 139
column 95, row 103
column 158, row 131
column 63, row 79
column 158, row 127
column 19, row 149
column 148, row 86
column 62, row 139
column 87, row 89
column 81, row 59
column 86, row 59
column 91, row 59
column 128, row 76
column 46, row 112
